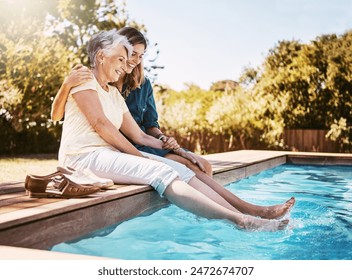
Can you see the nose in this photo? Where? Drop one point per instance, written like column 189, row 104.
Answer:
column 124, row 65
column 136, row 60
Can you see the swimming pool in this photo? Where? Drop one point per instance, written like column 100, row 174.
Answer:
column 321, row 223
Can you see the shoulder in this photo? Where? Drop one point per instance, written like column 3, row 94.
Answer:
column 146, row 85
column 146, row 82
column 89, row 85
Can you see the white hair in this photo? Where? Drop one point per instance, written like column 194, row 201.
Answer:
column 106, row 40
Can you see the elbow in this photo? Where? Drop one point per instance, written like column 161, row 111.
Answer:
column 99, row 125
column 55, row 114
column 56, row 117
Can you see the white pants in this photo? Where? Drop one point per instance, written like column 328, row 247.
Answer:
column 128, row 169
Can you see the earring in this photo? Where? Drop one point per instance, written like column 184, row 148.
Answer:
column 101, row 62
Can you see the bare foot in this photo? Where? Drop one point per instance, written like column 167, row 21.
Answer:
column 253, row 223
column 276, row 211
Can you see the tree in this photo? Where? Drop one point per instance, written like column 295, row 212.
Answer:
column 39, row 43
column 78, row 20
column 314, row 79
column 311, row 82
column 224, row 85
column 32, row 68
column 297, row 86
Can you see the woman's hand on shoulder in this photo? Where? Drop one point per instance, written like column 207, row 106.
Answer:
column 78, row 75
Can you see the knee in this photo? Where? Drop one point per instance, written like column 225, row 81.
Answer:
column 208, row 168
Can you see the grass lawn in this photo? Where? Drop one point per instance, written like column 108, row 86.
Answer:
column 15, row 169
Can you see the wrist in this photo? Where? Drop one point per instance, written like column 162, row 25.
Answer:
column 66, row 85
column 160, row 136
column 178, row 151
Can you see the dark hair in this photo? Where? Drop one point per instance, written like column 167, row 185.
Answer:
column 136, row 78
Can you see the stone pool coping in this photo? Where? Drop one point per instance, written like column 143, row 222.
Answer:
column 29, row 226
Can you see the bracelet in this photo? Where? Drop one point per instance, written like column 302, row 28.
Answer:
column 160, row 136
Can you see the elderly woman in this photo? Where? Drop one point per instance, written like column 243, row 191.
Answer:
column 96, row 123
column 138, row 94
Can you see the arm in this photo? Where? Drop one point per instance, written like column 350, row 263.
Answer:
column 150, row 119
column 131, row 129
column 78, row 75
column 150, row 122
column 89, row 103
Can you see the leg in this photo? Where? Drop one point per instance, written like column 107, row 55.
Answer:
column 128, row 169
column 210, row 193
column 124, row 168
column 190, row 199
column 268, row 212
column 199, row 185
column 192, row 166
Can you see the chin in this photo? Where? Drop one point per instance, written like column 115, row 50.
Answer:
column 129, row 71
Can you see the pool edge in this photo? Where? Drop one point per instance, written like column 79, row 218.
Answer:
column 228, row 167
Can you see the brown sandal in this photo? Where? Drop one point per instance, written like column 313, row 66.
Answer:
column 36, row 183
column 58, row 185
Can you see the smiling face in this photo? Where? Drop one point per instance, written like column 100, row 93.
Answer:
column 136, row 57
column 114, row 63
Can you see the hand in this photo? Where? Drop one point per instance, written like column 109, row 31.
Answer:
column 169, row 143
column 190, row 156
column 78, row 75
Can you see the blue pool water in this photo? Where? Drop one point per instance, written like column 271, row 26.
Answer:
column 321, row 224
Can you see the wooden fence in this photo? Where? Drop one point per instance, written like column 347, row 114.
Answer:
column 304, row 140
column 309, row 140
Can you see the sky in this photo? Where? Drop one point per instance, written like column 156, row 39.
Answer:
column 204, row 41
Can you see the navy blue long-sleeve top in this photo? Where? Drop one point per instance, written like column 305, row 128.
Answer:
column 141, row 104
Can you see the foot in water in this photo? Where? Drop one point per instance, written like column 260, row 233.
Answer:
column 253, row 223
column 277, row 211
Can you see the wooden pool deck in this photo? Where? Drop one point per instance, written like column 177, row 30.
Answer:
column 29, row 226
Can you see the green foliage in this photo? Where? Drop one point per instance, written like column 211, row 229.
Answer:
column 32, row 68
column 341, row 133
column 297, row 86
column 314, row 78
column 78, row 20
column 245, row 116
column 224, row 85
column 39, row 43
column 35, row 64
column 240, row 116
column 192, row 105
